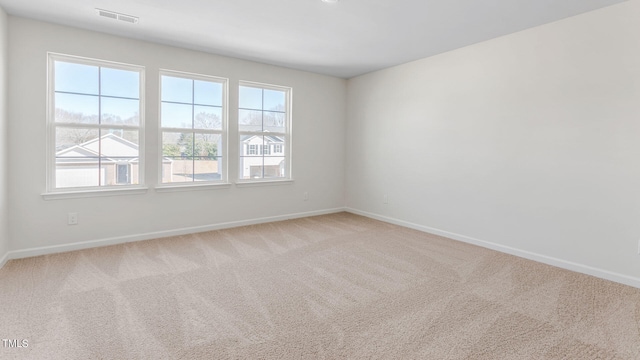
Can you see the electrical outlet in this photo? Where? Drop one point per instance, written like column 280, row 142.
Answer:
column 305, row 196
column 385, row 199
column 638, row 247
column 72, row 219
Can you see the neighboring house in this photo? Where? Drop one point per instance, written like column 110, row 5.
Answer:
column 82, row 165
column 262, row 158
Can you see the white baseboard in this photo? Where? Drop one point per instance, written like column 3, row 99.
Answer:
column 564, row 264
column 4, row 259
column 581, row 268
column 45, row 250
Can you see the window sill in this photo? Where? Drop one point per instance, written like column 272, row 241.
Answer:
column 60, row 195
column 249, row 183
column 191, row 187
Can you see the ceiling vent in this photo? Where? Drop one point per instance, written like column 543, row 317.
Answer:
column 117, row 16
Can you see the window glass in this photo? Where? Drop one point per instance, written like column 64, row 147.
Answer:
column 193, row 128
column 96, row 123
column 263, row 126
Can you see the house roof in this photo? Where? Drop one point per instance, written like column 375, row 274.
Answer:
column 268, row 138
column 111, row 146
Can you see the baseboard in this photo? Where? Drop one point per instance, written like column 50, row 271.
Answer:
column 581, row 268
column 564, row 264
column 4, row 259
column 46, row 250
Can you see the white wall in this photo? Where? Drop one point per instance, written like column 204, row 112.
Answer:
column 528, row 143
column 4, row 157
column 319, row 111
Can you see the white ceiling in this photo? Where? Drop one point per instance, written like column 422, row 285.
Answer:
column 344, row 39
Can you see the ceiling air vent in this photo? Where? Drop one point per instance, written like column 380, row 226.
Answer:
column 117, row 16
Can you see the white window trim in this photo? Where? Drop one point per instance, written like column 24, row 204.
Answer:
column 52, row 192
column 110, row 191
column 287, row 154
column 224, row 133
column 189, row 187
column 263, row 182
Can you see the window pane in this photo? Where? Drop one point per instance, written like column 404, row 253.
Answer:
column 207, row 93
column 76, row 78
column 207, row 117
column 120, row 111
column 274, row 166
column 251, row 148
column 250, row 98
column 249, row 120
column 119, row 147
column 76, row 108
column 207, row 164
column 76, row 163
column 177, row 89
column 119, row 144
column 263, row 112
column 122, row 83
column 67, row 138
column 251, row 143
column 274, row 121
column 274, row 100
column 177, row 115
column 78, row 172
column 275, row 145
column 191, row 104
column 78, row 160
column 106, row 98
column 177, row 157
column 251, row 167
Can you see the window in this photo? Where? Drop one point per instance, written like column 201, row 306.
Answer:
column 193, row 127
column 95, row 123
column 253, row 149
column 264, row 122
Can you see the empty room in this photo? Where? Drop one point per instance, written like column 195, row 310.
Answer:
column 320, row 179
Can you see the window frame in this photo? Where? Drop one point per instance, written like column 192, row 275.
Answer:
column 223, row 132
column 53, row 192
column 287, row 135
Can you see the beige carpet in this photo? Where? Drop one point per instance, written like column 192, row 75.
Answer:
column 328, row 287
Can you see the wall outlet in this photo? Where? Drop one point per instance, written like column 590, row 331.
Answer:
column 385, row 199
column 638, row 247
column 305, row 196
column 72, row 219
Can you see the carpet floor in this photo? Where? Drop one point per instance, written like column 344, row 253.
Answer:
column 337, row 286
